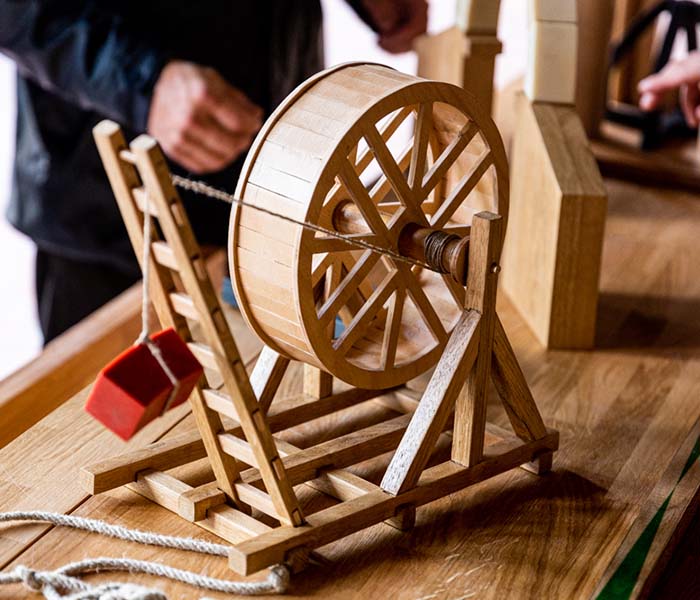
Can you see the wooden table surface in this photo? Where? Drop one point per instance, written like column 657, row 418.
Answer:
column 623, row 411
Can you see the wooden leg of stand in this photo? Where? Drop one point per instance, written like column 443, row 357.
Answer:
column 513, row 389
column 435, row 407
column 317, row 383
column 267, row 375
column 470, row 409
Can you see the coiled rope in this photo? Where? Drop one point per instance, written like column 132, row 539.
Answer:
column 64, row 583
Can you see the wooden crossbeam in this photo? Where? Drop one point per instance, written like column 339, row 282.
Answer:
column 351, row 516
column 184, row 448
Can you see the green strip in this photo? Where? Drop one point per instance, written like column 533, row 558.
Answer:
column 622, row 582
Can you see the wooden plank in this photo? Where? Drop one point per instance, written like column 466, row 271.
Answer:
column 552, row 62
column 551, row 261
column 594, row 36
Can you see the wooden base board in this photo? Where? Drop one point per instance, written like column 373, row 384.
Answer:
column 322, row 468
column 617, row 150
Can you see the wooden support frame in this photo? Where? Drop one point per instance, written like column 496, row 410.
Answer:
column 235, row 484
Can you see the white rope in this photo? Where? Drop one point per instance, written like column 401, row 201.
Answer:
column 63, row 583
column 199, row 187
column 145, row 336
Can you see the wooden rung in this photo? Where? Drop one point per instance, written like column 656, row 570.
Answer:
column 220, row 402
column 127, row 156
column 351, row 516
column 204, row 354
column 257, row 498
column 194, row 504
column 139, row 194
column 338, row 483
column 225, row 521
column 238, row 448
column 164, row 255
column 340, row 452
column 162, row 488
column 184, row 305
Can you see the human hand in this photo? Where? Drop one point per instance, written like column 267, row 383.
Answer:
column 201, row 121
column 398, row 22
column 683, row 74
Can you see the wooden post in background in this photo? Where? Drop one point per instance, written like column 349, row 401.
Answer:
column 465, row 55
column 595, row 21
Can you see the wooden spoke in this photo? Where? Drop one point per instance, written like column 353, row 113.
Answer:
column 438, row 191
column 387, row 130
column 333, row 244
column 364, row 318
column 394, row 175
column 334, row 276
column 464, row 187
column 364, row 203
column 383, row 186
column 422, row 302
column 421, row 139
column 393, row 328
column 347, row 287
column 320, row 269
column 365, row 289
column 448, row 158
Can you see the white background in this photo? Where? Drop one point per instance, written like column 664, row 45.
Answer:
column 346, row 39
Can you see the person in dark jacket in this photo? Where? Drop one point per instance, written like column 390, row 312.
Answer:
column 198, row 76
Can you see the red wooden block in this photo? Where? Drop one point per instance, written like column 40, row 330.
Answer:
column 133, row 389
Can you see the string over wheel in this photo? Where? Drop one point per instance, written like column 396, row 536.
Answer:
column 395, row 161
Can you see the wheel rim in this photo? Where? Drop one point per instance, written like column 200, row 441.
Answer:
column 397, row 317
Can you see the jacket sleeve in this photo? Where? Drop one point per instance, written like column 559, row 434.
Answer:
column 84, row 54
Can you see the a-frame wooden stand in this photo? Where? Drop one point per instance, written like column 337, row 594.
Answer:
column 250, row 499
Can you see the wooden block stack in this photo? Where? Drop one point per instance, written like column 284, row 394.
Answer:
column 552, row 55
column 555, row 234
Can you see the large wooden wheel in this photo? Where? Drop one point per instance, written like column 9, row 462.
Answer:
column 313, row 161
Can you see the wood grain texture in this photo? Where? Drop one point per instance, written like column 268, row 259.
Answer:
column 552, row 254
column 647, row 548
column 292, row 285
column 68, row 365
column 630, row 404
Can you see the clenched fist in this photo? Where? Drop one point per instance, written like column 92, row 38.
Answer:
column 201, row 121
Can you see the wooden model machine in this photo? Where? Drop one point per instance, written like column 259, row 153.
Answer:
column 419, row 295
